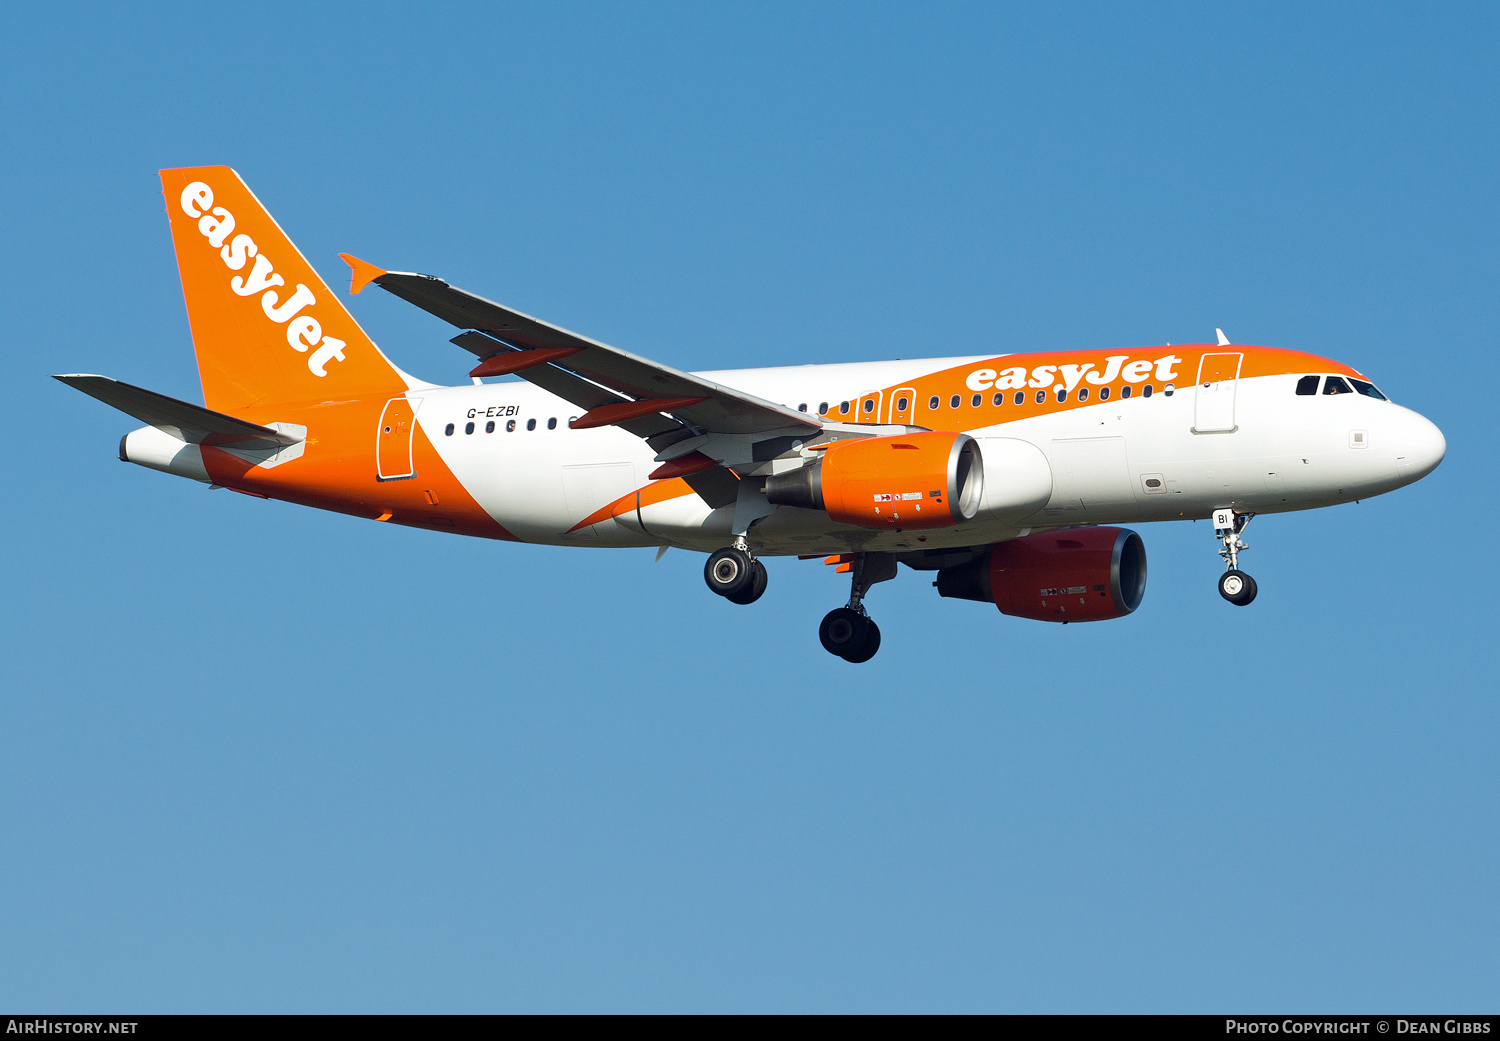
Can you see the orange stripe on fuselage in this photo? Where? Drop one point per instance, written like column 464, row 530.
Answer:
column 944, row 384
column 337, row 472
column 655, row 492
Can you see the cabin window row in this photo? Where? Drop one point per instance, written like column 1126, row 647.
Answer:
column 1307, row 385
column 510, row 426
column 934, row 403
column 844, row 407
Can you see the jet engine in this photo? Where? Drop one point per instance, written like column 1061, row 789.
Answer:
column 921, row 480
column 1069, row 575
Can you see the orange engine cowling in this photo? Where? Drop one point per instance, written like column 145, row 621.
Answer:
column 1070, row 575
column 924, row 480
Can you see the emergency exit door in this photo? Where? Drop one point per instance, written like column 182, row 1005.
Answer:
column 393, row 459
column 1218, row 379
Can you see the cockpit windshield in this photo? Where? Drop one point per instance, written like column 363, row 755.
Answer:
column 1308, row 385
column 1336, row 385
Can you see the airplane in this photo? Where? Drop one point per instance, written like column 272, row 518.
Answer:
column 1007, row 476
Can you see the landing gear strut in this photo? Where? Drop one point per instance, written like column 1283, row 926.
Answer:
column 1234, row 585
column 849, row 631
column 736, row 575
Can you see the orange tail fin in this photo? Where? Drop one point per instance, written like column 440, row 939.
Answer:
column 265, row 327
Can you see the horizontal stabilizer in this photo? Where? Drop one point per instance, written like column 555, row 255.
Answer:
column 185, row 421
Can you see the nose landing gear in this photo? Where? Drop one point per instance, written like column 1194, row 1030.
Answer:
column 849, row 632
column 1234, row 585
column 736, row 575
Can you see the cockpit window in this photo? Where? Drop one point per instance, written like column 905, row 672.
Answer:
column 1367, row 389
column 1307, row 385
column 1336, row 385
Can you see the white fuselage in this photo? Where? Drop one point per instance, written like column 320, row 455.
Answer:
column 1119, row 461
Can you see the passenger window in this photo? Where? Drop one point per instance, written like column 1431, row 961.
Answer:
column 953, row 401
column 1020, row 397
column 510, row 426
column 1336, row 385
column 822, row 408
column 802, row 407
column 1125, row 392
column 1103, row 393
column 448, row 429
column 974, row 402
column 1062, row 396
column 1146, row 391
column 1367, row 389
column 932, row 403
column 868, row 406
column 489, row 428
column 1307, row 385
column 1168, row 389
column 552, row 423
column 1083, row 393
column 844, row 408
column 531, row 424
column 468, row 428
column 1041, row 396
column 999, row 399
column 901, row 404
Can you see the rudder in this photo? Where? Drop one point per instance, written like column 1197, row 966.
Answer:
column 266, row 328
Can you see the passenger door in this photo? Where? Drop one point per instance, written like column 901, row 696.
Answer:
column 393, row 459
column 1218, row 378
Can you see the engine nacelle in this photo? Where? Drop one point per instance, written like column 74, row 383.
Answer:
column 923, row 480
column 1069, row 575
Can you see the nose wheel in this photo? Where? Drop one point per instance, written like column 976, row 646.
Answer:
column 849, row 632
column 1234, row 585
column 1237, row 587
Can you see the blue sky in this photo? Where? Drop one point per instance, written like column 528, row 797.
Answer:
column 255, row 757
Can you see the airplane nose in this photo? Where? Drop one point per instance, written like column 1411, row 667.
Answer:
column 1421, row 447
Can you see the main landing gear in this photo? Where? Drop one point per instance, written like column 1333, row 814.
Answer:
column 849, row 631
column 1234, row 585
column 736, row 575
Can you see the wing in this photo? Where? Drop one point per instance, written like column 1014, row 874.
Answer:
column 508, row 341
column 185, row 421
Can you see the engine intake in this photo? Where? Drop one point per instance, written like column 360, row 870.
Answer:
column 923, row 480
column 1069, row 575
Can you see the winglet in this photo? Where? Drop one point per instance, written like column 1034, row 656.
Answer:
column 1223, row 340
column 361, row 273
